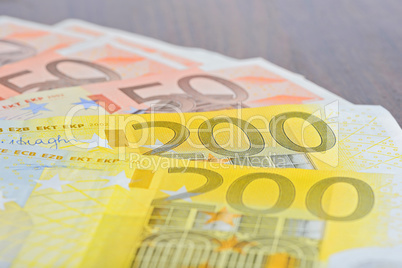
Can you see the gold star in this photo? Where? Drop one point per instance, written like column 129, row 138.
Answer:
column 233, row 244
column 228, row 244
column 222, row 215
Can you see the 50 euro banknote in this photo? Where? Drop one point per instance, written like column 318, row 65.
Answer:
column 21, row 39
column 251, row 83
column 91, row 62
column 357, row 138
column 187, row 56
column 244, row 84
column 197, row 215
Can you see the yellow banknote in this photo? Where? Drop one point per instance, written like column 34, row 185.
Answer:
column 199, row 214
column 208, row 216
column 66, row 214
column 359, row 138
column 81, row 198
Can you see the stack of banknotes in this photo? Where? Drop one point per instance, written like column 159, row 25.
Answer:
column 118, row 150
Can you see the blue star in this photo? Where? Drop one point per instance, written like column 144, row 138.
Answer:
column 36, row 108
column 86, row 103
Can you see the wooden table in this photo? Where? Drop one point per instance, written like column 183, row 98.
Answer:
column 352, row 48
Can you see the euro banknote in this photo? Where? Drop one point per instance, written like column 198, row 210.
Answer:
column 357, row 138
column 238, row 85
column 91, row 62
column 198, row 215
column 250, row 84
column 69, row 216
column 260, row 217
column 21, row 39
column 190, row 57
column 187, row 56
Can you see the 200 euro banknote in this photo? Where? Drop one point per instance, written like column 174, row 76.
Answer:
column 359, row 138
column 69, row 216
column 197, row 215
column 258, row 217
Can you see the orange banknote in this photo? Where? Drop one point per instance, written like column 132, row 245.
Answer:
column 250, row 84
column 189, row 57
column 239, row 85
column 91, row 62
column 20, row 39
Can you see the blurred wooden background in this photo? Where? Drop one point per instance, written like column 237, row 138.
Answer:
column 353, row 48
